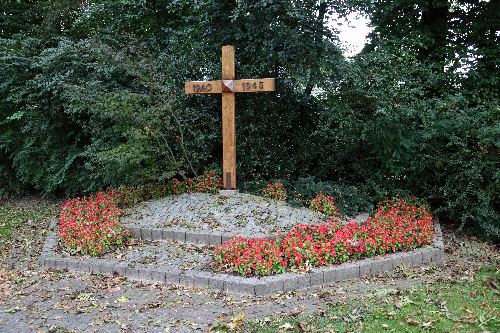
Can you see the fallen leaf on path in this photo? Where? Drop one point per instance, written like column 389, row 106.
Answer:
column 303, row 326
column 13, row 309
column 411, row 322
column 286, row 326
column 122, row 299
column 237, row 321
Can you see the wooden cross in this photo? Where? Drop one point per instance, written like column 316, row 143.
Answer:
column 228, row 86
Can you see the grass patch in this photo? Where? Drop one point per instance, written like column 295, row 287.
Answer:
column 465, row 306
column 12, row 217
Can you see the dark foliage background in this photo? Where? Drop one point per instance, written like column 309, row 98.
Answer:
column 91, row 96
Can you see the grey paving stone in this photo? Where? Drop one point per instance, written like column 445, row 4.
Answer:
column 135, row 232
column 41, row 260
column 156, row 234
column 194, row 278
column 269, row 285
column 172, row 277
column 146, row 234
column 295, row 281
column 437, row 255
column 416, row 257
column 47, row 251
column 82, row 266
column 230, row 283
column 332, row 274
column 72, row 264
column 106, row 268
column 427, row 254
column 120, row 269
column 438, row 242
column 228, row 235
column 93, row 266
column 132, row 272
column 365, row 266
column 203, row 210
column 241, row 285
column 341, row 272
column 144, row 273
column 158, row 276
column 47, row 263
column 217, row 282
column 383, row 264
column 259, row 235
column 51, row 243
column 61, row 264
column 228, row 193
column 96, row 266
column 405, row 258
column 204, row 237
column 177, row 234
column 397, row 259
column 411, row 258
column 437, row 228
column 317, row 276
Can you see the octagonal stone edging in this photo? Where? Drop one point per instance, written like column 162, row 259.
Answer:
column 253, row 286
column 208, row 237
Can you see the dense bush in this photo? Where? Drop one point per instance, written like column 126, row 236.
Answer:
column 397, row 225
column 349, row 199
column 440, row 147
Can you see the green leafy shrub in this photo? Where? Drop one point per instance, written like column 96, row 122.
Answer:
column 349, row 199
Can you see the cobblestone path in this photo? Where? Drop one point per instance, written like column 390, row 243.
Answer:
column 238, row 212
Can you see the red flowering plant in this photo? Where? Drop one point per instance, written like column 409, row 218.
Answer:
column 397, row 225
column 275, row 191
column 171, row 187
column 324, row 204
column 124, row 196
column 209, row 182
column 251, row 256
column 91, row 225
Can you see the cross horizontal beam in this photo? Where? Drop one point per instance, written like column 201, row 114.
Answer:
column 229, row 86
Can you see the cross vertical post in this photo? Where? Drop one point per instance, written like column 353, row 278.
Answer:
column 228, row 118
column 227, row 87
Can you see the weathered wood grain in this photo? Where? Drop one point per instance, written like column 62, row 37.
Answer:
column 228, row 118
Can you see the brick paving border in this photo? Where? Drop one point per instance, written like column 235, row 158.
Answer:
column 228, row 283
column 179, row 234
